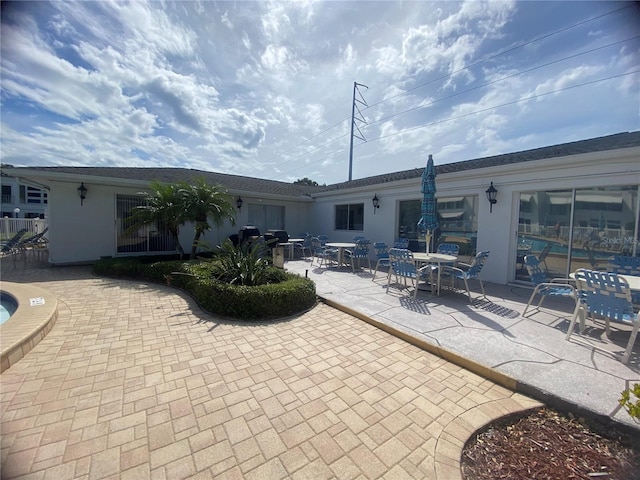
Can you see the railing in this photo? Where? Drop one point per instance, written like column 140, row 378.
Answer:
column 9, row 226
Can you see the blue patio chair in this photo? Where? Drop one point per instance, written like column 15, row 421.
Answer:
column 606, row 295
column 448, row 249
column 545, row 287
column 467, row 272
column 403, row 266
column 401, row 243
column 305, row 247
column 359, row 253
column 323, row 239
column 626, row 265
column 323, row 254
column 381, row 250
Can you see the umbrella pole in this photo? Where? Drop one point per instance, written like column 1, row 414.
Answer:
column 428, row 239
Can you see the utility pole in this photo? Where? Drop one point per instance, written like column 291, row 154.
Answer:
column 360, row 118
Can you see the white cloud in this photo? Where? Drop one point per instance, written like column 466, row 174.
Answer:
column 206, row 84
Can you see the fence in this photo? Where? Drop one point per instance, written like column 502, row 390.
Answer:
column 9, row 226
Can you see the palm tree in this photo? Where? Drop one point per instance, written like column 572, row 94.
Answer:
column 203, row 202
column 163, row 205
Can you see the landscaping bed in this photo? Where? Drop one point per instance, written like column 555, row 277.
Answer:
column 547, row 445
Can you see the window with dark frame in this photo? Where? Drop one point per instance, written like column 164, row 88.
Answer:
column 349, row 217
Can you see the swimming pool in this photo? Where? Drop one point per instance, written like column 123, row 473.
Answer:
column 8, row 306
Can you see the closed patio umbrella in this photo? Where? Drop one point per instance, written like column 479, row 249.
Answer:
column 429, row 219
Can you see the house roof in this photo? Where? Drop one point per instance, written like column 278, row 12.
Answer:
column 172, row 175
column 261, row 186
column 600, row 144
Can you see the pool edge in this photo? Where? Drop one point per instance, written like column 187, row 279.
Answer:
column 28, row 325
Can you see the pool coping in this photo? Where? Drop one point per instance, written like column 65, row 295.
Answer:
column 34, row 318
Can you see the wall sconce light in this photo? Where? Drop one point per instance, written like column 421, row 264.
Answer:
column 376, row 203
column 82, row 192
column 492, row 193
column 239, row 203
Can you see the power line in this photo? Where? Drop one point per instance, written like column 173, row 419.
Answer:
column 531, row 97
column 406, row 92
column 498, row 55
column 500, row 80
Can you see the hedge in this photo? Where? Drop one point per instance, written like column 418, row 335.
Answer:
column 289, row 294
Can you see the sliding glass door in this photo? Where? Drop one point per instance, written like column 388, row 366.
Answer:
column 577, row 228
column 146, row 239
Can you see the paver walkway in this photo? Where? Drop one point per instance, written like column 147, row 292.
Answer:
column 135, row 381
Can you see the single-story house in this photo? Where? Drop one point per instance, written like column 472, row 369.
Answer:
column 578, row 199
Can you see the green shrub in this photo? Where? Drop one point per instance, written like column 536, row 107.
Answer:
column 282, row 294
column 245, row 264
column 630, row 400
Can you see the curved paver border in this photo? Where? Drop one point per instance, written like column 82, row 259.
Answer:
column 29, row 324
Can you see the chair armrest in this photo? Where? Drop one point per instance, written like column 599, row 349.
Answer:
column 563, row 280
column 555, row 285
column 449, row 268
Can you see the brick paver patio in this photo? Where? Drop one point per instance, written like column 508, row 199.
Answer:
column 135, row 381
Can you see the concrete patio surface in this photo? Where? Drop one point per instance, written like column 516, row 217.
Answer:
column 134, row 381
column 492, row 338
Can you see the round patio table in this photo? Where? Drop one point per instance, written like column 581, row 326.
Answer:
column 435, row 258
column 341, row 246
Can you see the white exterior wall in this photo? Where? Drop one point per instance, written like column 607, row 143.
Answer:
column 83, row 234
column 497, row 231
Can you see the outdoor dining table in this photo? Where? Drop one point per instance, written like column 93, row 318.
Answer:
column 341, row 246
column 291, row 244
column 435, row 259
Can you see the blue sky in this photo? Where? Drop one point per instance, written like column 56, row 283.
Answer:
column 264, row 89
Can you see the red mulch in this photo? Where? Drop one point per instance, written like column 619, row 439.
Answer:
column 546, row 445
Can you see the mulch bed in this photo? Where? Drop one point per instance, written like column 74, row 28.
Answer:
column 548, row 445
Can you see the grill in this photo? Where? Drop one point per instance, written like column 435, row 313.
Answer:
column 281, row 235
column 248, row 233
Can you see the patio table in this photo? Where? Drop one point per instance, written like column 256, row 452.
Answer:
column 341, row 246
column 291, row 244
column 437, row 259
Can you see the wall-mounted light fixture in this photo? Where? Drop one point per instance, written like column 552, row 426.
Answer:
column 82, row 193
column 376, row 203
column 239, row 203
column 492, row 193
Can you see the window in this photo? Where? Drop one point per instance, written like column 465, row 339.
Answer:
column 7, row 197
column 266, row 217
column 35, row 195
column 151, row 238
column 350, row 217
column 457, row 220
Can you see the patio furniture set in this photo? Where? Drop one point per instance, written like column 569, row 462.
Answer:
column 609, row 296
column 612, row 296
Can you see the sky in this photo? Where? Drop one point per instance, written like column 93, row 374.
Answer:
column 265, row 89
